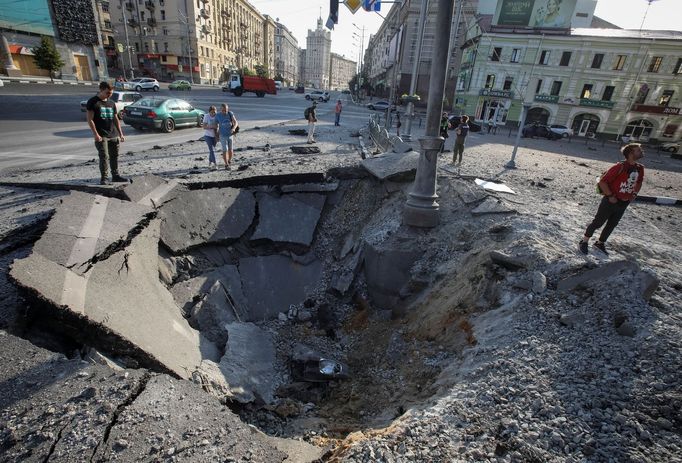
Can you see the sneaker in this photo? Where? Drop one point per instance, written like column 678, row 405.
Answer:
column 118, row 178
column 582, row 246
column 228, row 167
column 601, row 246
column 104, row 181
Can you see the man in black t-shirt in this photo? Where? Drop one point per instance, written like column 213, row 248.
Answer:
column 106, row 127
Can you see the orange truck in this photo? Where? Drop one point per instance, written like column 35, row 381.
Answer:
column 239, row 84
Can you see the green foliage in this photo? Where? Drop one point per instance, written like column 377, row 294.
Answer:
column 279, row 77
column 261, row 71
column 248, row 72
column 46, row 56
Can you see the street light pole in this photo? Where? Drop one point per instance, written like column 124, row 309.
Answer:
column 421, row 208
column 189, row 44
column 415, row 68
column 125, row 30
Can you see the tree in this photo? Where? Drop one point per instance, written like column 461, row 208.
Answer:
column 261, row 71
column 279, row 77
column 47, row 57
column 248, row 72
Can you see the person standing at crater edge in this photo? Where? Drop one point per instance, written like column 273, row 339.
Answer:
column 620, row 186
column 103, row 120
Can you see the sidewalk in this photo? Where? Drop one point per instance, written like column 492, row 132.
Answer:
column 46, row 80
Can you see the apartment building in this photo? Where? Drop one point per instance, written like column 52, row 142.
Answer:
column 318, row 57
column 341, row 71
column 287, row 55
column 599, row 82
column 198, row 40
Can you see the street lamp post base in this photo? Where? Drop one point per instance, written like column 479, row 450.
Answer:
column 510, row 165
column 423, row 217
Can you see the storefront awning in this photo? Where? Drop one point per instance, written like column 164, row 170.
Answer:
column 19, row 49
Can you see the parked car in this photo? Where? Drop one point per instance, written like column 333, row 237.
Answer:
column 473, row 126
column 122, row 99
column 180, row 85
column 300, row 89
column 318, row 95
column 381, row 105
column 538, row 130
column 144, row 83
column 671, row 147
column 162, row 113
column 561, row 130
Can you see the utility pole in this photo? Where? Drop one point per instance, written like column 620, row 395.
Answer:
column 125, row 29
column 189, row 43
column 415, row 67
column 398, row 44
column 453, row 41
column 421, row 208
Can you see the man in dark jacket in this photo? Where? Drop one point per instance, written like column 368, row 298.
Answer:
column 103, row 121
column 312, row 119
column 619, row 185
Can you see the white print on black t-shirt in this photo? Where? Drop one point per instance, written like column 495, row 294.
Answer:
column 629, row 185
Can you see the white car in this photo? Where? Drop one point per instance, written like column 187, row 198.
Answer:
column 122, row 99
column 561, row 130
column 318, row 95
column 381, row 105
column 671, row 147
column 143, row 83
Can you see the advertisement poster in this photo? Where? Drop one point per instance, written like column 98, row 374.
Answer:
column 27, row 16
column 535, row 13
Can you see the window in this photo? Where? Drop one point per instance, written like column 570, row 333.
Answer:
column 105, row 7
column 565, row 58
column 678, row 66
column 556, row 87
column 497, row 52
column 516, row 55
column 508, row 83
column 655, row 64
column 597, row 60
column 642, row 94
column 619, row 63
column 142, row 15
column 665, row 98
column 146, row 47
column 608, row 93
column 490, row 81
column 587, row 91
column 107, row 24
column 544, row 57
column 137, row 47
column 156, row 47
column 538, row 87
column 165, row 31
column 163, row 15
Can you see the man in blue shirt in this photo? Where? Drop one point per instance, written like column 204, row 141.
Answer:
column 227, row 126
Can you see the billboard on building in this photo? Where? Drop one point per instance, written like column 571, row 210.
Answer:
column 26, row 16
column 534, row 13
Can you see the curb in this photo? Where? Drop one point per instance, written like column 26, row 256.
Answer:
column 45, row 82
column 662, row 200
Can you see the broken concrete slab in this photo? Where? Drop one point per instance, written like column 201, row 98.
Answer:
column 399, row 146
column 491, row 206
column 288, row 219
column 272, row 283
column 343, row 279
column 86, row 227
column 193, row 426
column 118, row 305
column 648, row 284
column 468, row 193
column 246, row 372
column 212, row 301
column 508, row 262
column 305, row 149
column 151, row 190
column 310, row 187
column 206, row 216
column 600, row 273
column 393, row 166
column 387, row 270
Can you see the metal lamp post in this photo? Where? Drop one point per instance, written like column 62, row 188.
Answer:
column 415, row 68
column 421, row 208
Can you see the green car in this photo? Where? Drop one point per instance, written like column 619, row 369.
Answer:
column 162, row 113
column 180, row 85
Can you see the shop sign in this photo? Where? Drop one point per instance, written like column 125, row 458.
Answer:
column 640, row 108
column 547, row 98
column 596, row 103
column 496, row 93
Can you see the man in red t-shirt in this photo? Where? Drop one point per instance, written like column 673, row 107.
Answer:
column 619, row 185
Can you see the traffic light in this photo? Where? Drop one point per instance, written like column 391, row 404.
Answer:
column 334, row 11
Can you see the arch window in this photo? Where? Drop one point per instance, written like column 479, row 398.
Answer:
column 639, row 129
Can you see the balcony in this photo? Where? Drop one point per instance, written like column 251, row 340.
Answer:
column 205, row 1
column 205, row 29
column 132, row 22
column 130, row 6
column 596, row 103
column 149, row 4
column 151, row 22
column 205, row 12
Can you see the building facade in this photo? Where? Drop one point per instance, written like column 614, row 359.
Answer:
column 318, row 57
column 341, row 71
column 599, row 82
column 168, row 38
column 287, row 55
column 74, row 27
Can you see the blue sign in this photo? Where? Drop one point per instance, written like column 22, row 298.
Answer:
column 26, row 16
column 371, row 5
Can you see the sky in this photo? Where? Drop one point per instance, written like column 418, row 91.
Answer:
column 628, row 14
column 300, row 15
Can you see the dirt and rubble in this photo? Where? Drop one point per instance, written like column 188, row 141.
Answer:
column 488, row 338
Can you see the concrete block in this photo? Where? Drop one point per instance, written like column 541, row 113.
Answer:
column 394, row 166
column 272, row 283
column 151, row 190
column 290, row 218
column 206, row 216
column 600, row 273
column 387, row 270
column 508, row 262
column 648, row 284
column 491, row 206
